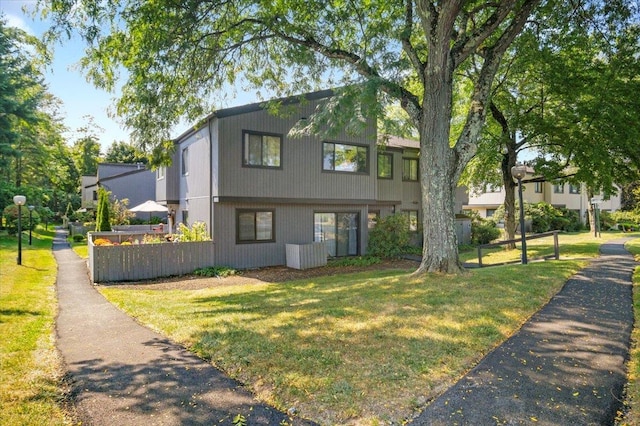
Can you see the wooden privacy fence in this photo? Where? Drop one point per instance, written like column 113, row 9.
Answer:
column 145, row 261
column 556, row 246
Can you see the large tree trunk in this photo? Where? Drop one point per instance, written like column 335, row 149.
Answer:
column 508, row 161
column 440, row 247
column 438, row 169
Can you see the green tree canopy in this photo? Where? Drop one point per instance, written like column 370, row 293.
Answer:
column 34, row 159
column 566, row 92
column 123, row 152
column 182, row 53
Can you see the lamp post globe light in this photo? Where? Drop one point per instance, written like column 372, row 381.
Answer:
column 30, row 221
column 19, row 200
column 519, row 171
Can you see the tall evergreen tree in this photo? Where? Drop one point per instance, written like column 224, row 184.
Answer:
column 103, row 216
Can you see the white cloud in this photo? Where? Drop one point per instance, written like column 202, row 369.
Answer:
column 18, row 22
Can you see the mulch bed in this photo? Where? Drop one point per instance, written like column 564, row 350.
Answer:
column 273, row 274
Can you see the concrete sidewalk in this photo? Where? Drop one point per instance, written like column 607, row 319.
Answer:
column 125, row 374
column 566, row 366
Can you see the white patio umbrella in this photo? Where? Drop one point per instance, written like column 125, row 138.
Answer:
column 149, row 206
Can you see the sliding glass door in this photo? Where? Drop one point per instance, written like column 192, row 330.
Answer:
column 339, row 231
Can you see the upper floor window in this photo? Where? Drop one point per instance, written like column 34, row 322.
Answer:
column 558, row 189
column 341, row 157
column 262, row 150
column 185, row 161
column 538, row 187
column 385, row 166
column 574, row 189
column 410, row 169
column 255, row 226
column 160, row 172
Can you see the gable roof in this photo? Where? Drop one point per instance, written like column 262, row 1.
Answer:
column 254, row 107
column 398, row 142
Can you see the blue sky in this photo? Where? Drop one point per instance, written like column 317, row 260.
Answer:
column 79, row 98
column 67, row 83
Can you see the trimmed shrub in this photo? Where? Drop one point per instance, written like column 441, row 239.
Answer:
column 216, row 271
column 10, row 214
column 484, row 232
column 389, row 236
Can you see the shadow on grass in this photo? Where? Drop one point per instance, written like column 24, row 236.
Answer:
column 565, row 366
column 169, row 385
column 312, row 338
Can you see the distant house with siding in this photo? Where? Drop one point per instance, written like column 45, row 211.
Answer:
column 132, row 181
column 257, row 189
column 486, row 200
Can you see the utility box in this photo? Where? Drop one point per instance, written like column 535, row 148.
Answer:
column 305, row 256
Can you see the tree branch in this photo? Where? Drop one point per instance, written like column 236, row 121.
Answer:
column 407, row 46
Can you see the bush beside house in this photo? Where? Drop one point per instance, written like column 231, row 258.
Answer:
column 389, row 237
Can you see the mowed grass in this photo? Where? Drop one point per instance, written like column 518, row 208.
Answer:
column 31, row 391
column 632, row 416
column 365, row 348
column 79, row 247
column 580, row 244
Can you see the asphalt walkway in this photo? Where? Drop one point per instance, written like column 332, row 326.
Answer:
column 125, row 374
column 565, row 366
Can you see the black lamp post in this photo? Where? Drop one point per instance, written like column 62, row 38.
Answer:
column 519, row 171
column 20, row 201
column 30, row 221
column 596, row 220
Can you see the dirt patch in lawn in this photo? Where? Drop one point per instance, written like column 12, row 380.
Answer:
column 273, row 274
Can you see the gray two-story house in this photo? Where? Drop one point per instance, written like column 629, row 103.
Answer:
column 257, row 189
column 131, row 181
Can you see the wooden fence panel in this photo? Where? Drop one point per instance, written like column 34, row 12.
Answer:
column 147, row 261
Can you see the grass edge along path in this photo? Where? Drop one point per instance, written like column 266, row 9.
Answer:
column 31, row 385
column 365, row 348
column 631, row 416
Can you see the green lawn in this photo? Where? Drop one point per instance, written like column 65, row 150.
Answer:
column 366, row 348
column 632, row 417
column 31, row 382
column 80, row 247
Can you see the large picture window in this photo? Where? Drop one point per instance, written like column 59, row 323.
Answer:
column 255, row 226
column 385, row 166
column 338, row 231
column 410, row 169
column 339, row 157
column 262, row 150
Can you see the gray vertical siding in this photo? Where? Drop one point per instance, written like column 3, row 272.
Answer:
column 301, row 175
column 195, row 185
column 168, row 188
column 136, row 187
column 293, row 223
